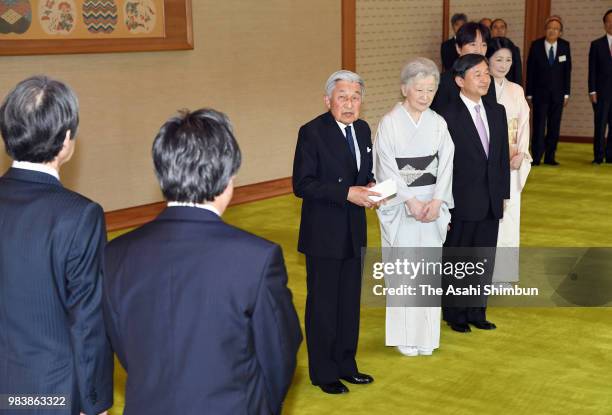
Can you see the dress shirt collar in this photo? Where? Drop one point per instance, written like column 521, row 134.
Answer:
column 39, row 167
column 343, row 126
column 471, row 104
column 548, row 45
column 206, row 206
column 609, row 37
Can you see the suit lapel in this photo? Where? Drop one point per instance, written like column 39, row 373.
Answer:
column 338, row 143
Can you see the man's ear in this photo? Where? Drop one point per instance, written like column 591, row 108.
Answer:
column 67, row 150
column 327, row 101
column 67, row 138
column 460, row 81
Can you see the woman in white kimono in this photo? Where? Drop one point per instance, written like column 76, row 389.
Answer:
column 512, row 97
column 413, row 147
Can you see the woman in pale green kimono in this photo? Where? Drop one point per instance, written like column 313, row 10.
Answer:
column 512, row 97
column 413, row 147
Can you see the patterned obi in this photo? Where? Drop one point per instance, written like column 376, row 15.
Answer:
column 418, row 171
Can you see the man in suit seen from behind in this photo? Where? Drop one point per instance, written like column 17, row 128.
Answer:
column 52, row 338
column 198, row 311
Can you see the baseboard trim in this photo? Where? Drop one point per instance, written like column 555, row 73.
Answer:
column 576, row 139
column 139, row 215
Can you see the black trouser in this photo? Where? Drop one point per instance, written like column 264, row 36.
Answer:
column 332, row 317
column 547, row 110
column 481, row 233
column 603, row 117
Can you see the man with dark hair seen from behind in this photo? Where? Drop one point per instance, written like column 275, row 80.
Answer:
column 448, row 50
column 198, row 311
column 52, row 338
column 600, row 91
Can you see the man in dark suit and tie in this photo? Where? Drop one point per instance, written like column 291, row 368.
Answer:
column 472, row 37
column 549, row 69
column 52, row 337
column 600, row 91
column 198, row 311
column 332, row 171
column 481, row 176
column 448, row 48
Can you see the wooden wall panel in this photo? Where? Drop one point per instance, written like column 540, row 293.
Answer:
column 389, row 32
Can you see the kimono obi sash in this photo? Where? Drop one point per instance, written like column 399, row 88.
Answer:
column 418, row 171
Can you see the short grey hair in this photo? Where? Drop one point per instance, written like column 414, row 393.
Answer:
column 419, row 68
column 343, row 75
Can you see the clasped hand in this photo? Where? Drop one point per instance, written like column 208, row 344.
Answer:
column 424, row 211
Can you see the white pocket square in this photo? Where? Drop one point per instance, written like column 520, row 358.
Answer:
column 369, row 149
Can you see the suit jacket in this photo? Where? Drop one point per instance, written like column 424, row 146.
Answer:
column 448, row 91
column 200, row 317
column 52, row 338
column 479, row 182
column 515, row 74
column 448, row 53
column 543, row 78
column 323, row 170
column 600, row 68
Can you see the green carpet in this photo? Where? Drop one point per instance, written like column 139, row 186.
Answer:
column 538, row 361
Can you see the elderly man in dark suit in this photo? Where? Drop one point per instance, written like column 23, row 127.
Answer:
column 448, row 48
column 481, row 176
column 332, row 170
column 198, row 311
column 549, row 71
column 52, row 338
column 600, row 91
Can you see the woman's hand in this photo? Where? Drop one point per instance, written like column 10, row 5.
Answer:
column 516, row 161
column 416, row 208
column 432, row 210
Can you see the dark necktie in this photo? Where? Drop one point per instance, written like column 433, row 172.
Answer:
column 349, row 140
column 551, row 56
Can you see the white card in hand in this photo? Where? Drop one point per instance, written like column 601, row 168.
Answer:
column 386, row 189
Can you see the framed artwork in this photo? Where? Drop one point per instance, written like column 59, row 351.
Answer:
column 33, row 27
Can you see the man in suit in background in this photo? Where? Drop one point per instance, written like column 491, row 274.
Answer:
column 499, row 28
column 52, row 338
column 448, row 48
column 198, row 311
column 332, row 171
column 600, row 91
column 481, row 176
column 472, row 37
column 549, row 71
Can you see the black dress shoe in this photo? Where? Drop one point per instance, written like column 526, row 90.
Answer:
column 460, row 327
column 334, row 388
column 597, row 162
column 483, row 325
column 358, row 379
column 535, row 163
column 552, row 162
